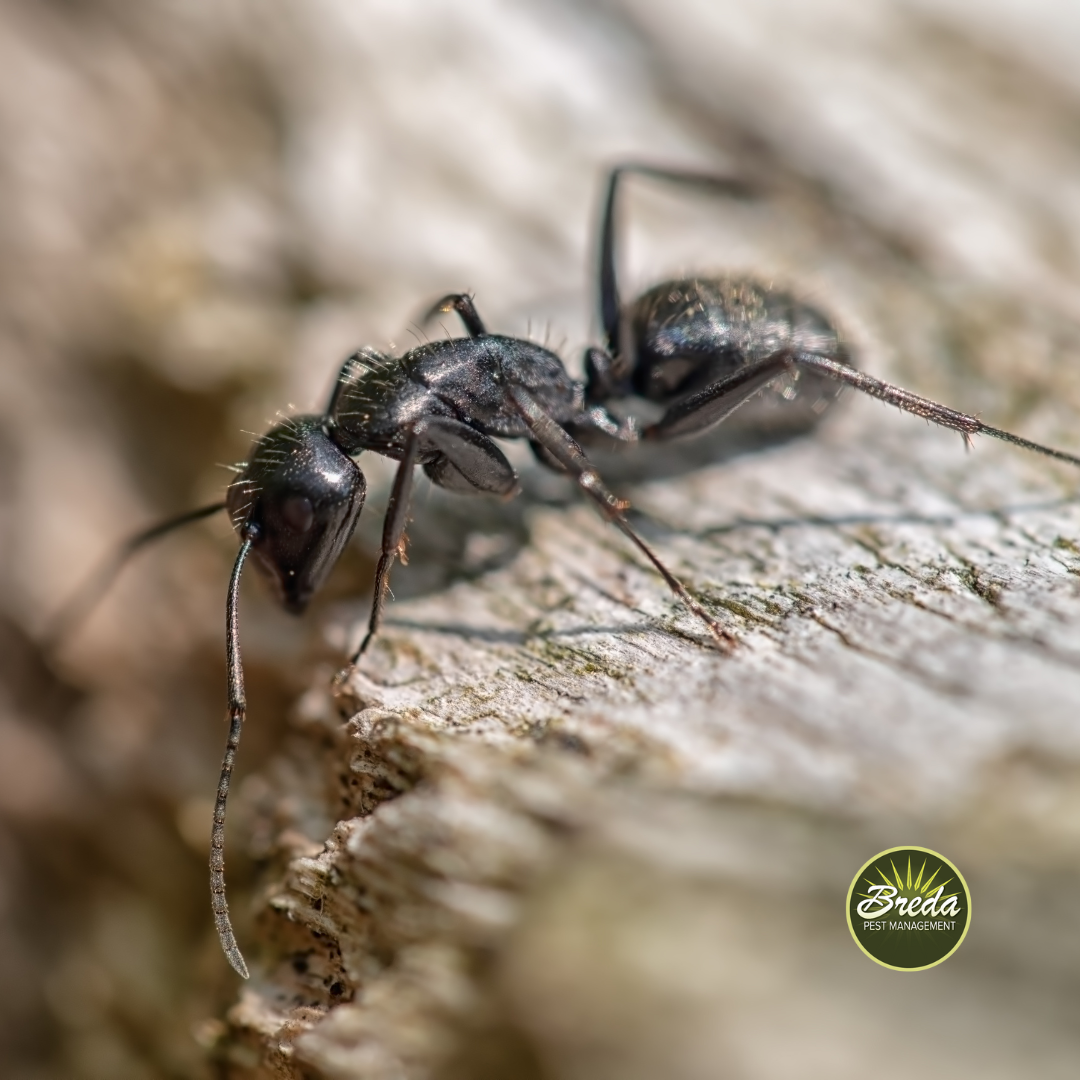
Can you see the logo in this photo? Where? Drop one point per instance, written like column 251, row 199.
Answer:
column 909, row 908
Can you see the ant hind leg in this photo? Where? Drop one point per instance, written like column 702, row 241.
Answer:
column 559, row 445
column 397, row 513
column 713, row 404
column 919, row 406
column 610, row 304
column 706, row 408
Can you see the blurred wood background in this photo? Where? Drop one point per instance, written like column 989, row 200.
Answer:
column 545, row 832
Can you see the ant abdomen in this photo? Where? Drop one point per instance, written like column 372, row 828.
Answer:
column 683, row 335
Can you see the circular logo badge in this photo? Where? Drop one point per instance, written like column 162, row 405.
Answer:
column 909, row 908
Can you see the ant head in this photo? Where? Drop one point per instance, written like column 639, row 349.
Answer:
column 298, row 499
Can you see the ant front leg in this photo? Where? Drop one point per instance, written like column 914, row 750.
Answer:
column 563, row 449
column 468, row 462
column 397, row 512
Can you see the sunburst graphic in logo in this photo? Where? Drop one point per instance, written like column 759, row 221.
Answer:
column 907, row 920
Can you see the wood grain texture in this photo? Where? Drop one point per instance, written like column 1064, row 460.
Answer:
column 574, row 840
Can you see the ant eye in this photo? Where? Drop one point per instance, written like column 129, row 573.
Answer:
column 298, row 513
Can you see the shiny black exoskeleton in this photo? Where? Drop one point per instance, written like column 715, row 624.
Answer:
column 699, row 347
column 683, row 337
column 298, row 500
column 439, row 407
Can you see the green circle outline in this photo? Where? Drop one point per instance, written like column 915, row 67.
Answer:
column 874, row 859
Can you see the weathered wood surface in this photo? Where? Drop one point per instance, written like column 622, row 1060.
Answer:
column 547, row 831
column 599, row 848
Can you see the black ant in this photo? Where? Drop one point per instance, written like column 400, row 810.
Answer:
column 700, row 347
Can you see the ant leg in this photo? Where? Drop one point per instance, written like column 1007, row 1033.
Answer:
column 706, row 408
column 80, row 606
column 920, row 406
column 237, row 712
column 463, row 304
column 469, row 463
column 397, row 511
column 560, row 446
column 594, row 427
column 610, row 305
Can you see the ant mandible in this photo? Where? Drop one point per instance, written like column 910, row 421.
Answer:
column 700, row 347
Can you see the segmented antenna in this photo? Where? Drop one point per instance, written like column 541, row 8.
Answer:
column 237, row 712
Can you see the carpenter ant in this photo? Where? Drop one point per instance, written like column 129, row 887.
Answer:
column 700, row 347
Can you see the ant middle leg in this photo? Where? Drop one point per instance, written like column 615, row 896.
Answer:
column 561, row 447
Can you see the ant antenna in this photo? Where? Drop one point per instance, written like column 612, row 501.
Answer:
column 81, row 605
column 237, row 712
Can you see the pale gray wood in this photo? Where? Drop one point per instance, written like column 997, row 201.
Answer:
column 654, row 841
